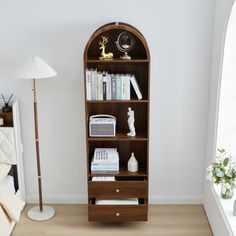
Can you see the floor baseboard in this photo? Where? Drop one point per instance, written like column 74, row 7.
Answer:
column 175, row 199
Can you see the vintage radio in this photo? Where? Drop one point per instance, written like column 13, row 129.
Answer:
column 102, row 126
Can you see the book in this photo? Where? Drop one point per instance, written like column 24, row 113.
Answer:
column 103, row 178
column 127, row 87
column 136, row 87
column 123, row 87
column 88, row 85
column 105, row 160
column 105, row 152
column 110, row 150
column 108, row 87
column 118, row 87
column 104, row 84
column 99, row 87
column 92, row 74
column 113, row 172
column 105, row 168
column 113, row 87
column 104, row 164
column 105, row 156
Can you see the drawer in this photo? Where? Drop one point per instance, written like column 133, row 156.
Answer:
column 118, row 189
column 118, row 212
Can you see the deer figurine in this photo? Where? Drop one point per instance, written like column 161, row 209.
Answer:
column 104, row 55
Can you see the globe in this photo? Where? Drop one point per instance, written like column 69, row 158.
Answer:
column 125, row 43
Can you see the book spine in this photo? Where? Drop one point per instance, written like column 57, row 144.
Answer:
column 104, row 84
column 123, row 87
column 110, row 160
column 110, row 150
column 113, row 87
column 118, row 87
column 104, row 171
column 99, row 86
column 88, row 84
column 105, row 165
column 93, row 84
column 108, row 87
column 96, row 86
column 127, row 80
column 136, row 87
column 104, row 151
column 99, row 157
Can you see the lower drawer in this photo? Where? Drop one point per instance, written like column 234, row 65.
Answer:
column 118, row 212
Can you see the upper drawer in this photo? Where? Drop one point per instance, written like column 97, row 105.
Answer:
column 118, row 189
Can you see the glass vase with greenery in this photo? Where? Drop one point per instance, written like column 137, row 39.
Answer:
column 223, row 172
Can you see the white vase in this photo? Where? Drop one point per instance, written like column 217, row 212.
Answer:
column 132, row 163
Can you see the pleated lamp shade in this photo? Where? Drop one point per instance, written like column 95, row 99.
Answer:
column 36, row 68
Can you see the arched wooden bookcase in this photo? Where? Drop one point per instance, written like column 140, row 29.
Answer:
column 127, row 184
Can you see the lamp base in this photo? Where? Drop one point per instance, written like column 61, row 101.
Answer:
column 35, row 214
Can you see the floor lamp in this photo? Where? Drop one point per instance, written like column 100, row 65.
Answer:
column 36, row 69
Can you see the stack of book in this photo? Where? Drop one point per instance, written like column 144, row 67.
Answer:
column 105, row 160
column 105, row 86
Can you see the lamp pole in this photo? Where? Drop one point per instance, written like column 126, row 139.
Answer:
column 34, row 69
column 37, row 146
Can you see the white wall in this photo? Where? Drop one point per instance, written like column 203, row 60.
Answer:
column 179, row 34
column 213, row 209
column 227, row 113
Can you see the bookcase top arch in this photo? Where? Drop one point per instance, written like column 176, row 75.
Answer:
column 112, row 30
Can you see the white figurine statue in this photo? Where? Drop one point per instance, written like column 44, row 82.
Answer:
column 131, row 121
column 132, row 163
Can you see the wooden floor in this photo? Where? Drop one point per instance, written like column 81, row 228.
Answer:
column 164, row 220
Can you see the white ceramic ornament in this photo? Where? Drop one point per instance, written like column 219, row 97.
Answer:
column 131, row 121
column 132, row 163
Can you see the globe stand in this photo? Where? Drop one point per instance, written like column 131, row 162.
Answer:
column 126, row 57
column 37, row 215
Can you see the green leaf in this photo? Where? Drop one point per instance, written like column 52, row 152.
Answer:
column 226, row 161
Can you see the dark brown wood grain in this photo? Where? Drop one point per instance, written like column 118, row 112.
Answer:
column 129, row 184
column 118, row 189
column 117, row 213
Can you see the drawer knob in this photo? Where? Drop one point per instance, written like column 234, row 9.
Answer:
column 117, row 190
column 117, row 214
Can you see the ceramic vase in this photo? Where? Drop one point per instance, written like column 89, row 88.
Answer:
column 132, row 163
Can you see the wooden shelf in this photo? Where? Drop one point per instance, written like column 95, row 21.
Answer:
column 118, row 101
column 139, row 66
column 120, row 137
column 117, row 60
column 124, row 173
